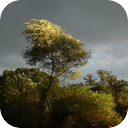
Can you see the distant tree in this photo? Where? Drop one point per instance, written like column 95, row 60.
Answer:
column 90, row 81
column 107, row 80
column 53, row 50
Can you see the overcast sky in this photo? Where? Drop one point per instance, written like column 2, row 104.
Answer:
column 101, row 25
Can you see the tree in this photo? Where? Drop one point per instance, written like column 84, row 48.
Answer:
column 107, row 80
column 90, row 81
column 53, row 50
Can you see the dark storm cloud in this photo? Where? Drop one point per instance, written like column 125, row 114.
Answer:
column 100, row 24
column 96, row 21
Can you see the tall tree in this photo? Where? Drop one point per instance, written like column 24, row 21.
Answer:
column 60, row 54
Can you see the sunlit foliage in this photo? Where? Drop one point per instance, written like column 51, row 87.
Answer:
column 56, row 52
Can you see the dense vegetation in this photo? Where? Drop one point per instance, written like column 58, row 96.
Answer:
column 24, row 102
column 33, row 98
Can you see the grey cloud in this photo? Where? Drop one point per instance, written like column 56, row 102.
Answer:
column 11, row 61
column 116, row 50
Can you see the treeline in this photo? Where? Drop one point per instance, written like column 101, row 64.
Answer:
column 26, row 103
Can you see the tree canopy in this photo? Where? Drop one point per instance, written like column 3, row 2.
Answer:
column 56, row 52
